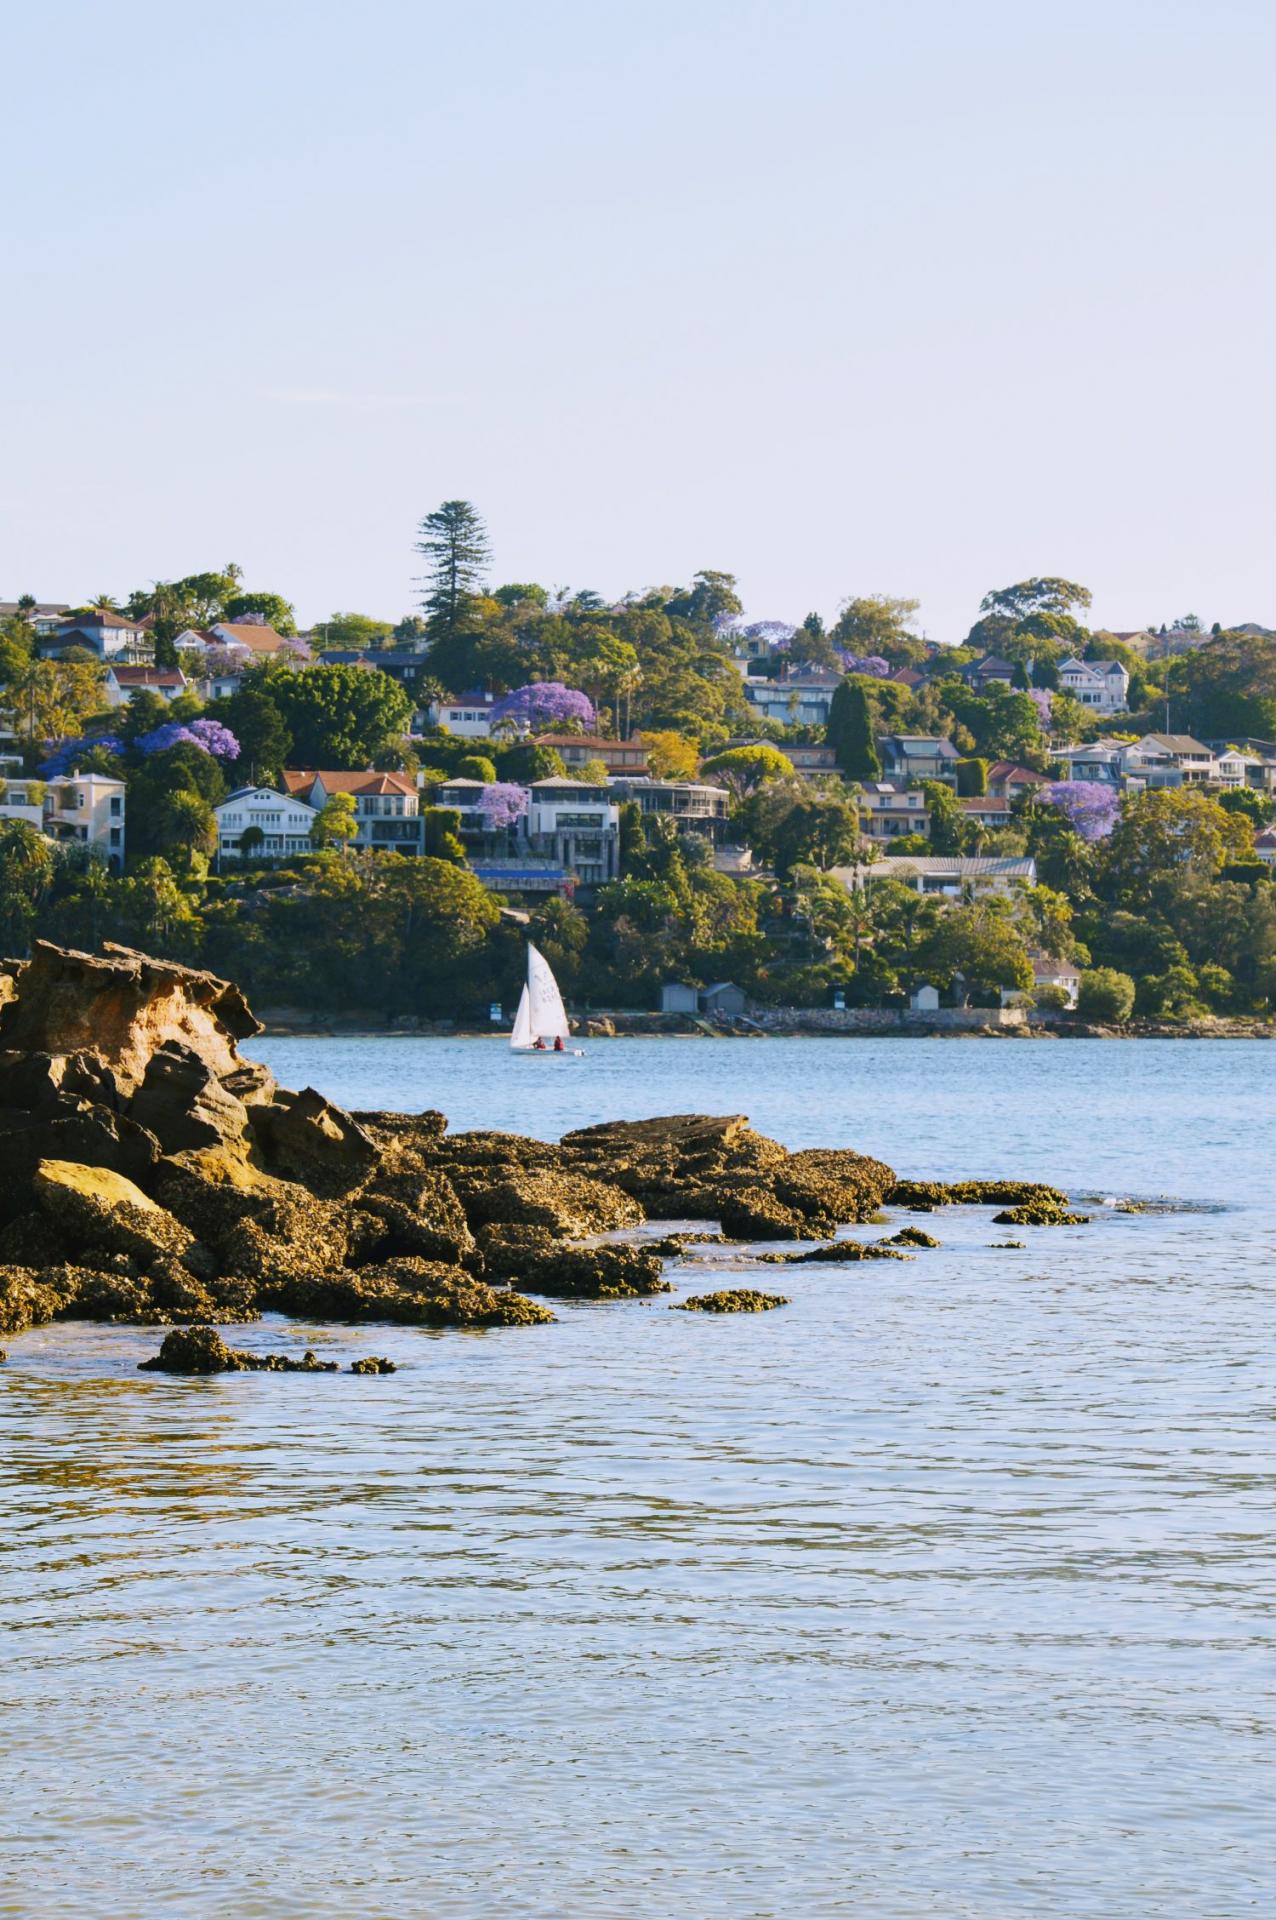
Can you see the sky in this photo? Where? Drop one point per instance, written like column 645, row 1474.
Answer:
column 844, row 298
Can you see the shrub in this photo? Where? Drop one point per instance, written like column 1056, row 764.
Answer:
column 1105, row 994
column 1053, row 998
column 476, row 766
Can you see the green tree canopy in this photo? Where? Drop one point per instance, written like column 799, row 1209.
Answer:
column 339, row 717
column 453, row 541
column 851, row 732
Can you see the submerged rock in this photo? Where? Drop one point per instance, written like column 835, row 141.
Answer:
column 373, row 1363
column 1041, row 1213
column 731, row 1300
column 197, row 1350
column 835, row 1253
column 909, row 1237
column 756, row 1214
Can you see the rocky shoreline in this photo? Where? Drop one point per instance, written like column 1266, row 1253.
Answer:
column 156, row 1177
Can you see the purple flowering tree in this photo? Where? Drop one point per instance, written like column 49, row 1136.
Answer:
column 210, row 736
column 501, row 803
column 544, row 703
column 1043, row 700
column 1090, row 808
column 69, row 754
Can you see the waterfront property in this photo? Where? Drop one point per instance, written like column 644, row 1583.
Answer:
column 691, row 806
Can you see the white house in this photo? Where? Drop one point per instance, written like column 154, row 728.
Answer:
column 1265, row 846
column 122, row 682
column 470, row 718
column 23, row 800
column 1102, row 761
column 283, row 821
column 803, row 699
column 1103, row 685
column 88, row 808
column 950, row 876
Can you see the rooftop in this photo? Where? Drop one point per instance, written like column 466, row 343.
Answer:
column 300, row 780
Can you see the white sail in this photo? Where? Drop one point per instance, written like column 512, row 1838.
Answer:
column 522, row 1034
column 549, row 1016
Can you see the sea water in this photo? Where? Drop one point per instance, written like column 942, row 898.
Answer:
column 946, row 1590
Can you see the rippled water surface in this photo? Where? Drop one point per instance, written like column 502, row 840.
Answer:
column 946, row 1591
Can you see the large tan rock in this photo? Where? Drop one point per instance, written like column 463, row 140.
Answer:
column 95, row 1207
column 123, row 1006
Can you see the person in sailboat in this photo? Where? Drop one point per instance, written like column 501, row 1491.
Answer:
column 558, row 1043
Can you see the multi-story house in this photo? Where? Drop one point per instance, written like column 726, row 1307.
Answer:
column 1102, row 685
column 578, row 749
column 42, row 618
column 87, row 808
column 1101, row 761
column 569, row 834
column 918, row 756
column 1007, row 779
column 890, row 810
column 988, row 672
column 951, row 876
column 692, row 806
column 276, row 824
column 1167, row 760
column 387, row 806
column 111, row 636
column 802, row 698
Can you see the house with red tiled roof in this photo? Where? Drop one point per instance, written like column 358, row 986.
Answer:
column 387, row 806
column 1006, row 778
column 122, row 682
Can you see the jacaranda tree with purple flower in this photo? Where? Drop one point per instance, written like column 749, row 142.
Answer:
column 209, row 735
column 1043, row 700
column 544, row 703
column 502, row 803
column 1091, row 809
column 70, row 754
column 870, row 663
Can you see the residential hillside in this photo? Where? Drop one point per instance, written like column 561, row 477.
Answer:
column 683, row 806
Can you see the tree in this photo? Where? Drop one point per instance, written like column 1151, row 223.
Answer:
column 671, row 756
column 711, row 597
column 353, row 632
column 336, row 823
column 972, row 778
column 945, row 817
column 750, row 766
column 1090, row 808
column 255, row 720
column 455, row 545
column 273, row 608
column 878, row 624
column 27, row 863
column 851, row 732
column 1105, row 994
column 340, row 717
column 594, row 773
column 251, row 841
column 981, row 943
column 1170, row 830
column 810, row 645
column 819, row 830
column 542, row 704
column 51, row 699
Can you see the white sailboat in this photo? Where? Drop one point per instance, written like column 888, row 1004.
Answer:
column 541, row 1020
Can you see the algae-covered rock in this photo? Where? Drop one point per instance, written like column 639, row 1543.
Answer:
column 919, row 1196
column 582, row 1273
column 756, row 1214
column 836, row 1253
column 570, row 1204
column 412, row 1211
column 373, row 1363
column 104, row 1209
column 909, row 1237
column 415, row 1292
column 731, row 1300
column 26, row 1300
column 200, row 1350
column 1006, row 1193
column 833, row 1185
column 1040, row 1213
column 33, row 1240
column 1006, row 1245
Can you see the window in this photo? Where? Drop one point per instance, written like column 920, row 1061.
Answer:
column 117, row 806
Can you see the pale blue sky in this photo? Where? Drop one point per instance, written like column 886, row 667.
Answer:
column 914, row 298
